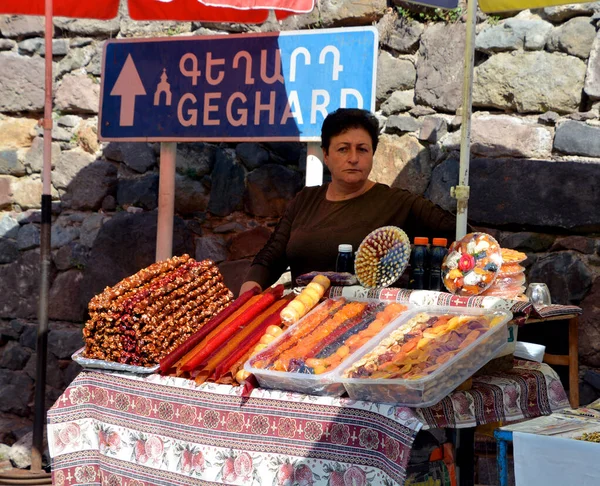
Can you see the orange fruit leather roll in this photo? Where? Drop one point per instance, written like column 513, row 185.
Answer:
column 267, row 358
column 186, row 358
column 208, row 366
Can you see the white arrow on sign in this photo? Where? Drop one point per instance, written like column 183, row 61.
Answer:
column 128, row 86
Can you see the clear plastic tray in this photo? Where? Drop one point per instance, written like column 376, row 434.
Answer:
column 110, row 365
column 426, row 391
column 321, row 384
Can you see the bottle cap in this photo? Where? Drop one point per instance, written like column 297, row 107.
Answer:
column 421, row 240
column 440, row 242
column 345, row 248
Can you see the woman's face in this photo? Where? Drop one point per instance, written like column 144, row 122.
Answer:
column 350, row 156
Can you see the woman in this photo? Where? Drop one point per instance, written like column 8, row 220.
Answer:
column 344, row 211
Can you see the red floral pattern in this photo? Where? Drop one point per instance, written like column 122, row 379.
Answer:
column 235, row 422
column 260, row 425
column 122, row 402
column 286, row 427
column 211, row 419
column 313, row 431
column 340, row 434
column 187, row 414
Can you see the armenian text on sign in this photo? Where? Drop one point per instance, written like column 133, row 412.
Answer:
column 276, row 86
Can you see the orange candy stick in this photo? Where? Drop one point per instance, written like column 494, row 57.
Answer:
column 168, row 361
column 237, row 340
column 266, row 300
column 190, row 354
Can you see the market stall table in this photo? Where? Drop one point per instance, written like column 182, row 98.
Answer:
column 117, row 428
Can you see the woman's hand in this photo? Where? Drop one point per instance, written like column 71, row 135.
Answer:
column 249, row 285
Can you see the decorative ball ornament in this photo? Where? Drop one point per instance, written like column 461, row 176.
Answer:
column 472, row 264
column 382, row 257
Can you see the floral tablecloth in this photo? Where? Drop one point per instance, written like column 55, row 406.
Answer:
column 132, row 430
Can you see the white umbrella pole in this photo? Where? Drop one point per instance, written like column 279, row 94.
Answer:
column 42, row 333
column 166, row 201
column 461, row 191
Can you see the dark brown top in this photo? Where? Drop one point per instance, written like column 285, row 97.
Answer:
column 308, row 234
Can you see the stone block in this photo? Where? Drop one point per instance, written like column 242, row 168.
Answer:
column 234, row 274
column 28, row 237
column 402, row 36
column 440, row 67
column 9, row 251
column 529, row 82
column 252, row 155
column 270, row 189
column 228, row 184
column 399, row 101
column 125, row 244
column 433, row 128
column 508, row 136
column 27, row 192
column 577, row 138
column 63, row 235
column 9, row 226
column 211, row 247
column 140, row 191
column 78, row 93
column 21, row 84
column 71, row 255
column 64, row 341
column 248, row 243
column 92, row 184
column 191, row 195
column 575, row 37
column 88, row 27
column 64, row 300
column 592, row 75
column 540, row 193
column 402, row 162
column 34, row 159
column 10, row 163
column 21, row 26
column 15, row 133
column 567, row 276
column 393, row 74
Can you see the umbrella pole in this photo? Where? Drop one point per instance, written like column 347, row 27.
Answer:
column 166, row 201
column 461, row 191
column 42, row 334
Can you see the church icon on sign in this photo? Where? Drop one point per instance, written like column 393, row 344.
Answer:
column 163, row 87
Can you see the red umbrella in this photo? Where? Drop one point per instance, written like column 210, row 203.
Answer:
column 237, row 11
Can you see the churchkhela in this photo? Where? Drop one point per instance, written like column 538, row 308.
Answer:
column 143, row 317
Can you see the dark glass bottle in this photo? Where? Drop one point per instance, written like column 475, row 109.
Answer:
column 419, row 263
column 438, row 253
column 345, row 259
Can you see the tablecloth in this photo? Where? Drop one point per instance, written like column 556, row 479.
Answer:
column 521, row 309
column 132, row 430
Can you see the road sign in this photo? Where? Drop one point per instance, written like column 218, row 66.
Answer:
column 273, row 86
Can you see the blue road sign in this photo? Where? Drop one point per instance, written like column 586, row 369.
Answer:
column 275, row 86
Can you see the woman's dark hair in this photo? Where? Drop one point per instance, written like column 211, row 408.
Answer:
column 344, row 119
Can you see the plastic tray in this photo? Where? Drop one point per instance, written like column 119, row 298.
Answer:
column 322, row 384
column 110, row 365
column 426, row 391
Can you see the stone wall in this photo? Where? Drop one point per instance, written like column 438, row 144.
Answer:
column 535, row 167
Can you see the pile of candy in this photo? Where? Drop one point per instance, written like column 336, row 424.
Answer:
column 472, row 264
column 382, row 257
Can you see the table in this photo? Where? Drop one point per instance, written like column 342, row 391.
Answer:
column 134, row 430
column 545, row 452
